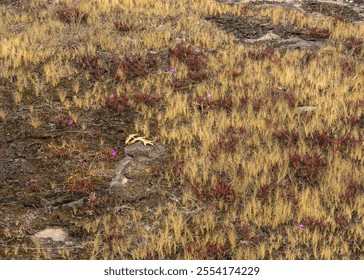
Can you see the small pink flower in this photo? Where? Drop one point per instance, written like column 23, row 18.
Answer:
column 70, row 122
column 209, row 96
column 300, row 225
column 113, row 153
column 172, row 70
column 74, row 2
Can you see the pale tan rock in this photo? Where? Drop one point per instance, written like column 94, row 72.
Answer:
column 56, row 234
column 308, row 108
column 270, row 36
column 50, row 235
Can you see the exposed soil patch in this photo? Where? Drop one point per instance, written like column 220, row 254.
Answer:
column 248, row 28
column 252, row 31
column 342, row 12
column 34, row 167
column 283, row 36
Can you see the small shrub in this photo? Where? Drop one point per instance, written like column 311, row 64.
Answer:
column 248, row 233
column 223, row 102
column 307, row 166
column 322, row 139
column 344, row 141
column 290, row 98
column 223, row 190
column 228, row 140
column 197, row 76
column 353, row 44
column 295, row 201
column 360, row 103
column 155, row 170
column 97, row 74
column 35, row 187
column 309, row 56
column 275, row 94
column 268, row 121
column 351, row 120
column 338, row 17
column 275, row 167
column 176, row 167
column 313, row 223
column 180, row 52
column 177, row 83
column 133, row 67
column 351, row 191
column 114, row 102
column 111, row 235
column 341, row 219
column 319, row 33
column 279, row 94
column 209, row 251
column 257, row 104
column 200, row 192
column 82, row 185
column 214, row 154
column 286, row 138
column 215, row 251
column 266, row 53
column 204, row 104
column 89, row 62
column 71, row 14
column 93, row 64
column 146, row 98
column 61, row 121
column 266, row 190
column 245, row 9
column 122, row 27
column 243, row 101
column 234, row 73
column 195, row 62
column 348, row 67
column 307, row 116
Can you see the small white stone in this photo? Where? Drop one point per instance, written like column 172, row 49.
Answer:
column 124, row 181
column 307, row 108
column 56, row 234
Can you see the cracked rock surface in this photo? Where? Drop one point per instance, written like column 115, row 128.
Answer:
column 132, row 180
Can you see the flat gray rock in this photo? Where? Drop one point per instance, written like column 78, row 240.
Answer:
column 298, row 43
column 119, row 179
column 139, row 149
column 270, row 36
column 133, row 180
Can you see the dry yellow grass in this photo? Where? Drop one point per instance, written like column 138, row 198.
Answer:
column 246, row 201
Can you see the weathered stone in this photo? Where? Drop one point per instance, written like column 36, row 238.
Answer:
column 51, row 237
column 138, row 149
column 307, row 108
column 119, row 178
column 270, row 36
column 300, row 44
column 135, row 169
column 132, row 180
